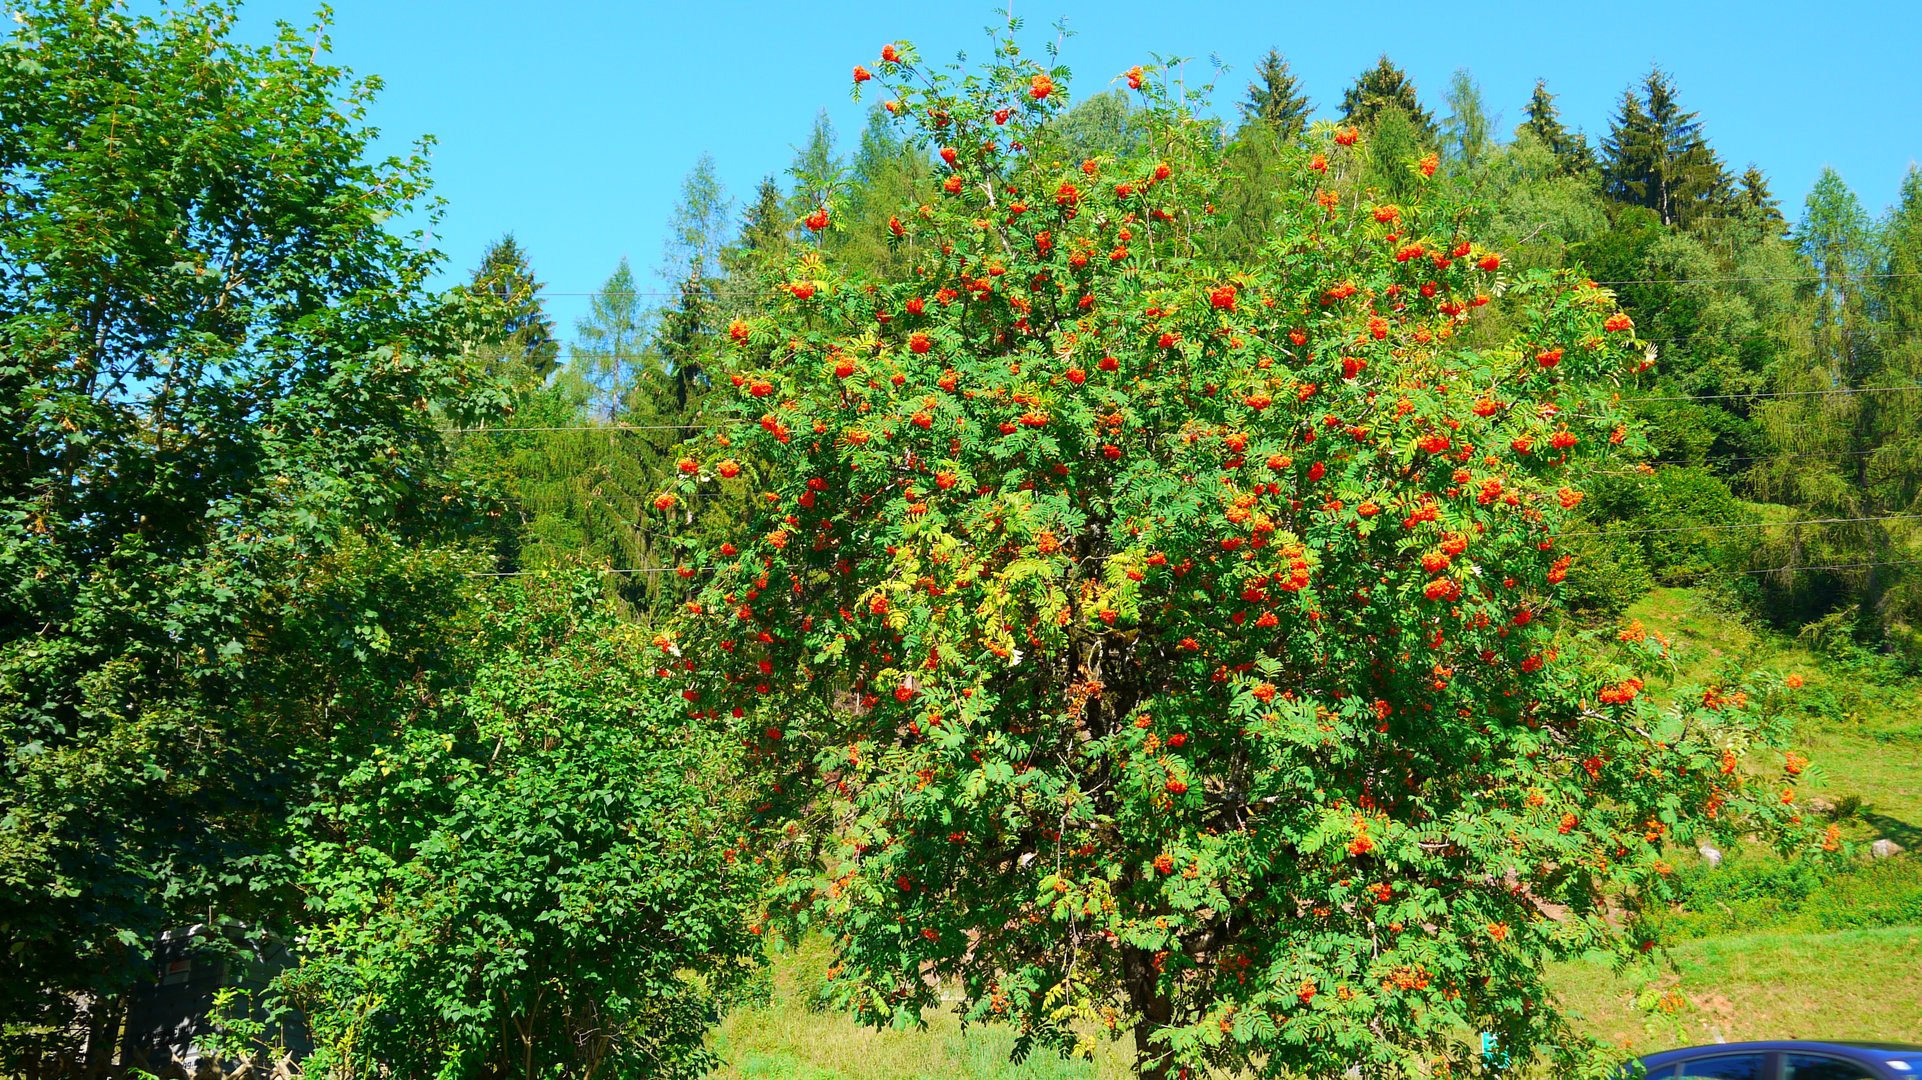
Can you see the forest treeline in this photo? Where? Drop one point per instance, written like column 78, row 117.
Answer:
column 331, row 605
column 1786, row 352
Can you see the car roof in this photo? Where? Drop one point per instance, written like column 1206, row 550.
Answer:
column 1871, row 1051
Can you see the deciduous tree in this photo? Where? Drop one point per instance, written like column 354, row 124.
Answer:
column 1148, row 644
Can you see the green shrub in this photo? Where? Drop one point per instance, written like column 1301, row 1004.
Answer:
column 1609, row 573
column 1749, row 894
column 532, row 875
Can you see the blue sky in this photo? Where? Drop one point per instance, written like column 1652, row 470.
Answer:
column 572, row 122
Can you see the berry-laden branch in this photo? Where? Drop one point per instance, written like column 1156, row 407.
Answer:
column 1141, row 643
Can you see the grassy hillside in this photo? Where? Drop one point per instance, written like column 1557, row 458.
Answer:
column 1765, row 949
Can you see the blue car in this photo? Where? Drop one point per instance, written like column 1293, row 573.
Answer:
column 1788, row 1060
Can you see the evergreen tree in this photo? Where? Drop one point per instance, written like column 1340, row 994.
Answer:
column 524, row 346
column 1276, row 98
column 763, row 239
column 697, row 237
column 1901, row 291
column 1656, row 156
column 681, row 334
column 1381, row 86
column 1468, row 134
column 762, row 229
column 1760, row 203
column 1398, row 140
column 1570, row 148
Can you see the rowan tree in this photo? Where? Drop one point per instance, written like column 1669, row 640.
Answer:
column 1142, row 644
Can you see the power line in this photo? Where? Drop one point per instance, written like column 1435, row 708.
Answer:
column 1626, row 399
column 1716, row 459
column 1744, row 525
column 608, row 428
column 1832, row 566
column 603, row 570
column 1810, row 279
column 678, row 569
column 1805, row 278
column 1777, row 394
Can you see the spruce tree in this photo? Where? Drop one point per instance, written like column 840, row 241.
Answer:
column 1276, row 98
column 762, row 227
column 1381, row 86
column 761, row 241
column 1761, row 205
column 1571, row 150
column 1657, row 157
column 523, row 346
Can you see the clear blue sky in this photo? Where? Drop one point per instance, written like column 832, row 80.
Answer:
column 572, row 122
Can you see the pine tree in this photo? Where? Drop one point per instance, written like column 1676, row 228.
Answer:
column 1381, row 86
column 524, row 343
column 1467, row 135
column 1571, row 150
column 1657, row 157
column 1276, row 98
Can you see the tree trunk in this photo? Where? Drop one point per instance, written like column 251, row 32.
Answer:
column 1153, row 1010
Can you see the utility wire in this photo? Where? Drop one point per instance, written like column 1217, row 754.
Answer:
column 1744, row 525
column 1776, row 394
column 604, row 570
column 677, row 569
column 1805, row 278
column 1832, row 566
column 1917, row 388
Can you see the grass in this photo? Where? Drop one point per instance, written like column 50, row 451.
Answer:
column 1767, row 952
column 1849, row 984
column 789, row 1040
column 1863, row 735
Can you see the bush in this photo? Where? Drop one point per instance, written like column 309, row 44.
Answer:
column 1609, row 574
column 1760, row 893
column 531, row 875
